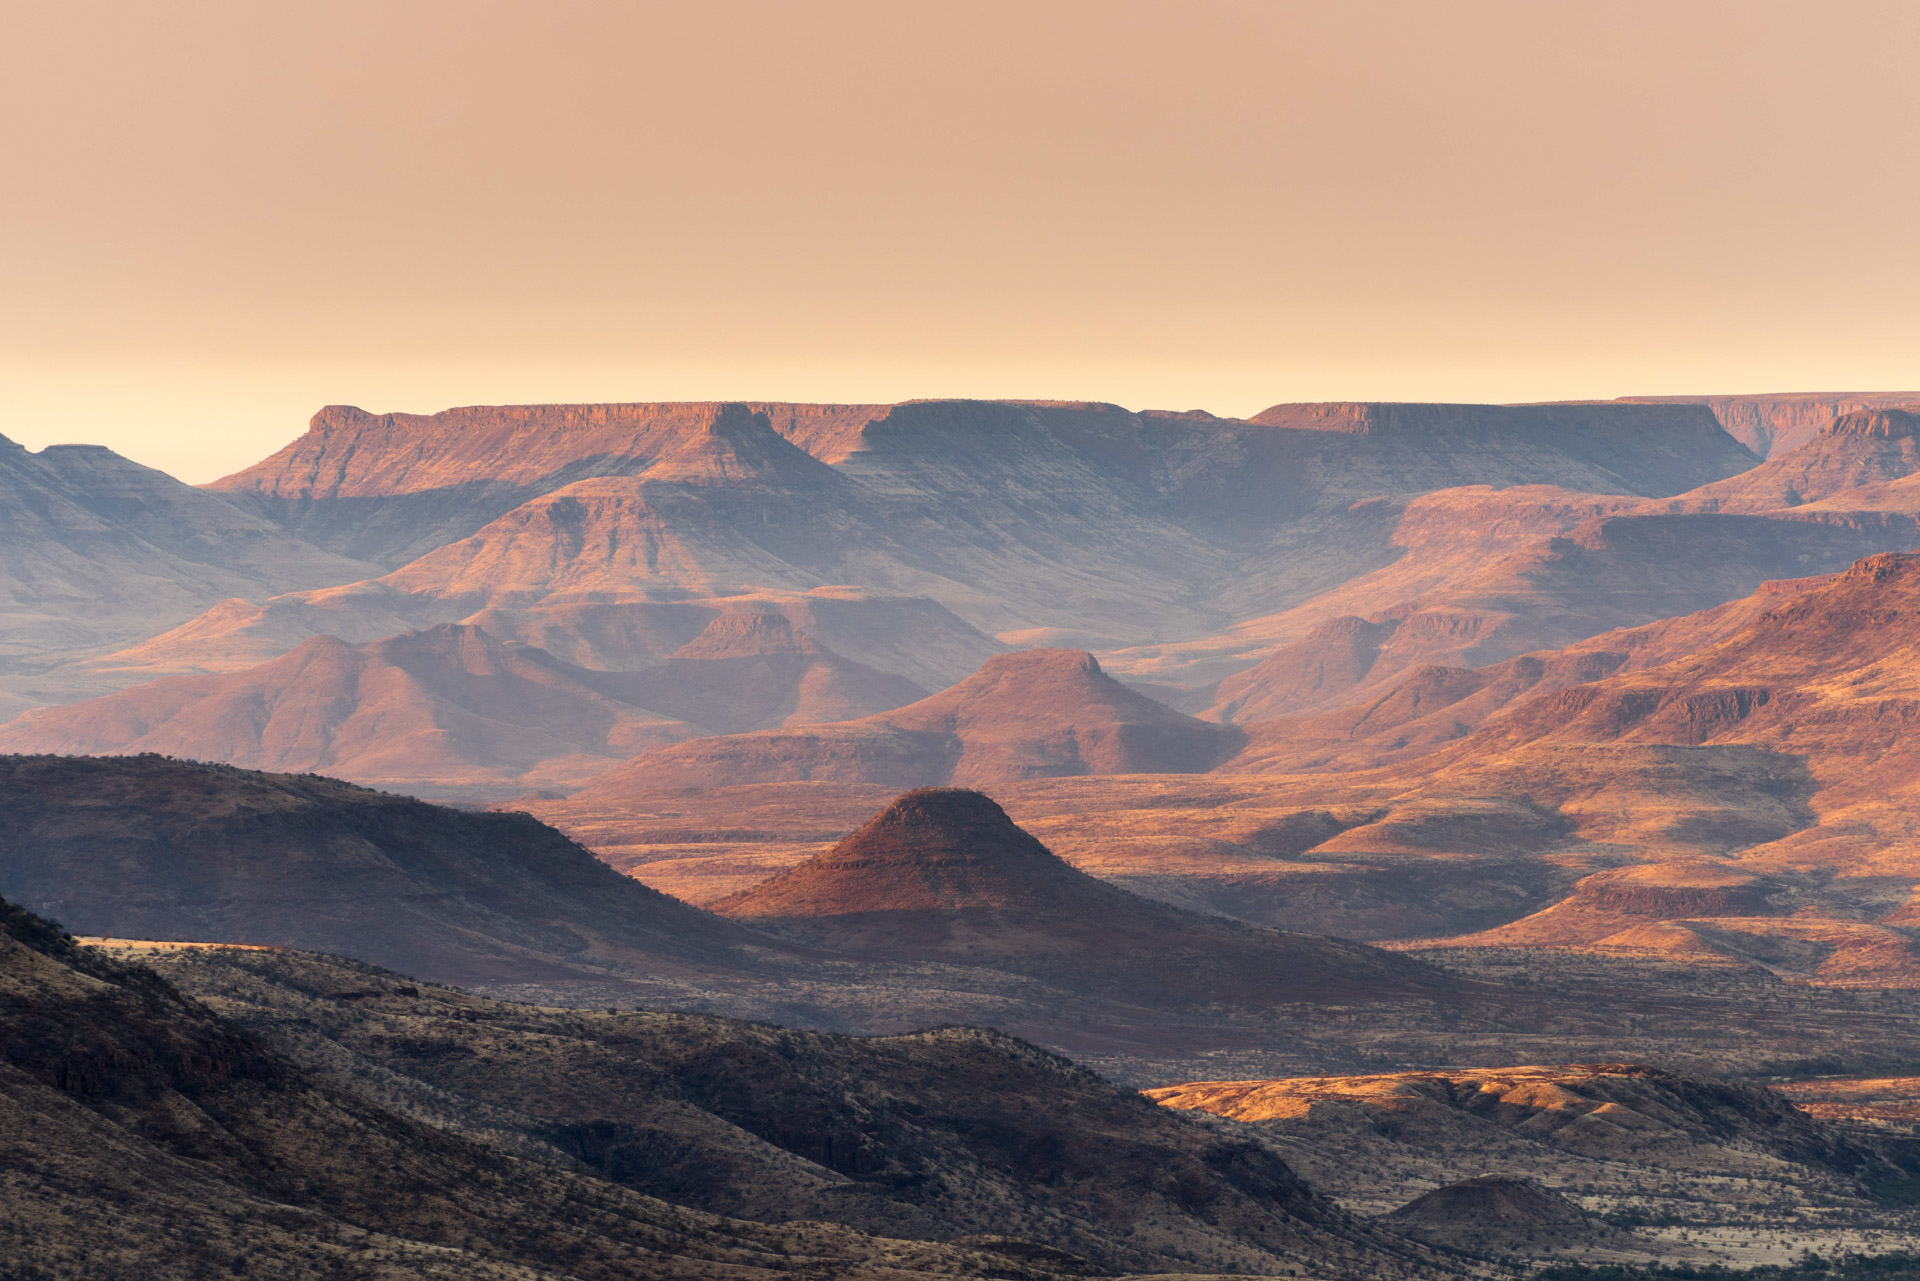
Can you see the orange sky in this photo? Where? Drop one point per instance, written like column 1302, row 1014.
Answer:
column 219, row 216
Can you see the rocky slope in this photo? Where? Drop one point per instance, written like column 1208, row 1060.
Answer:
column 957, row 1134
column 1865, row 447
column 145, row 1136
column 1033, row 714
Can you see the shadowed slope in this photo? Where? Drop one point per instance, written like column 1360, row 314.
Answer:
column 1032, row 714
column 937, row 1134
column 1715, row 1152
column 144, row 847
column 145, row 1136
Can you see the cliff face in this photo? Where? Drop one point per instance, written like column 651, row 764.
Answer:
column 1864, row 448
column 1774, row 425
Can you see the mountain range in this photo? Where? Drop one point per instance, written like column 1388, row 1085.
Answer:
column 787, row 788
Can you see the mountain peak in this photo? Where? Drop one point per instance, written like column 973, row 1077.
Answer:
column 934, row 849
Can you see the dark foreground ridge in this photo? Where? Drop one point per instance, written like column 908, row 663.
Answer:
column 146, row 1134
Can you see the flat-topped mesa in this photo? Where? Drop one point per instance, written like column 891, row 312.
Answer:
column 1412, row 418
column 348, row 451
column 934, row 849
column 1884, row 424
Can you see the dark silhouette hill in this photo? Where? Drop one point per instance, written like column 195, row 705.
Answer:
column 1032, row 714
column 144, row 847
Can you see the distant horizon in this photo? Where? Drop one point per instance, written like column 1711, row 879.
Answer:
column 227, row 215
column 182, row 446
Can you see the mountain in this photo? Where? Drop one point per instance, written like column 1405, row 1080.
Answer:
column 1616, row 448
column 1035, row 713
column 1486, row 575
column 1745, row 770
column 750, row 668
column 389, row 487
column 1778, row 424
column 1728, row 789
column 961, row 1135
column 1865, row 447
column 144, row 1135
column 101, row 550
column 1610, row 572
column 1042, row 519
column 150, row 848
column 451, row 711
column 944, row 874
column 147, row 847
column 908, row 637
column 446, row 710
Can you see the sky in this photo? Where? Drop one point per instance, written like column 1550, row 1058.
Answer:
column 221, row 216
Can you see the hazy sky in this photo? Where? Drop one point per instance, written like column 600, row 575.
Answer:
column 219, row 216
